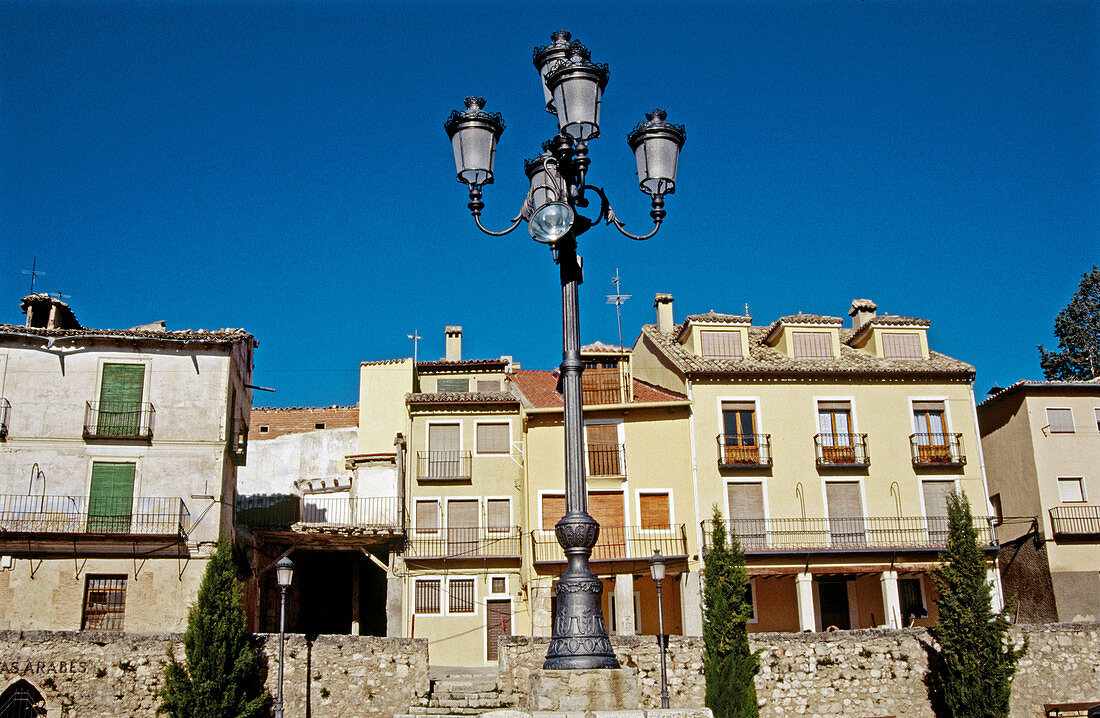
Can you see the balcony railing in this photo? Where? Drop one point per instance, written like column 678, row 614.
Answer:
column 822, row 534
column 119, row 420
column 443, row 465
column 478, row 542
column 5, row 411
column 937, row 449
column 744, row 450
column 618, row 543
column 1075, row 520
column 141, row 516
column 275, row 512
column 842, row 450
column 606, row 459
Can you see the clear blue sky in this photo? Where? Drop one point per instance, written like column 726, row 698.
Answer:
column 282, row 167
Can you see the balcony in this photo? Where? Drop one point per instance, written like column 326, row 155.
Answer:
column 5, row 411
column 606, row 459
column 119, row 420
column 937, row 449
column 443, row 465
column 1080, row 521
column 284, row 512
column 80, row 515
column 849, row 450
column 618, row 543
column 744, row 451
column 460, row 543
column 846, row 534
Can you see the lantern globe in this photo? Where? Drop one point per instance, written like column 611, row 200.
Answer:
column 551, row 222
column 656, row 145
column 657, row 566
column 474, row 134
column 284, row 572
column 547, row 56
column 577, row 86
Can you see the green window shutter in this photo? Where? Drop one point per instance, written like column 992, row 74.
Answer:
column 462, row 385
column 111, row 497
column 120, row 399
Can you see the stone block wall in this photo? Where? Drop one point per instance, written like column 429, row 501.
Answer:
column 104, row 675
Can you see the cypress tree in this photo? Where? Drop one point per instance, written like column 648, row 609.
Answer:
column 728, row 663
column 971, row 672
column 221, row 675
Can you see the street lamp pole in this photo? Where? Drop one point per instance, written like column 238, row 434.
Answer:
column 573, row 90
column 284, row 574
column 657, row 569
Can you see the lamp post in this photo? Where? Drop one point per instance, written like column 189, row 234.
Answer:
column 284, row 574
column 573, row 91
column 657, row 570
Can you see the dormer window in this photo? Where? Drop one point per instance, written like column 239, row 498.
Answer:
column 812, row 345
column 720, row 345
column 459, row 385
column 900, row 346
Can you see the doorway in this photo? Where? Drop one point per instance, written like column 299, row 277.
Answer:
column 22, row 700
column 498, row 622
column 833, row 597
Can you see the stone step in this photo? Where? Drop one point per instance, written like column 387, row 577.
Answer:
column 478, row 686
column 465, row 701
column 436, row 711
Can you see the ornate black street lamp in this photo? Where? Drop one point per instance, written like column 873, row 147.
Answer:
column 657, row 570
column 573, row 90
column 284, row 575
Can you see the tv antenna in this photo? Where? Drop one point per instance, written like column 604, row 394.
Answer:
column 59, row 295
column 618, row 300
column 34, row 272
column 415, row 336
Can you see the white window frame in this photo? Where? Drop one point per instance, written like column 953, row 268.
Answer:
column 443, row 596
column 1080, row 482
column 947, row 426
column 447, row 596
column 1072, row 420
column 757, row 414
column 508, row 448
column 620, row 432
column 438, row 515
column 852, row 414
column 543, row 493
column 638, row 493
column 490, row 593
column 511, row 519
column 825, row 500
column 439, row 422
column 764, row 500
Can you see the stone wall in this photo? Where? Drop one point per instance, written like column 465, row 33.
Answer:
column 99, row 675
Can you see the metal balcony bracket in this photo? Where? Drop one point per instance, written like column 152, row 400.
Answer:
column 181, row 563
column 139, row 563
column 34, row 566
column 78, row 565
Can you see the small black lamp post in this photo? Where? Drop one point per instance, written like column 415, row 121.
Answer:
column 657, row 570
column 284, row 574
column 573, row 88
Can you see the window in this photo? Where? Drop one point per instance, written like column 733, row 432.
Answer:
column 319, row 425
column 835, row 422
column 488, row 385
column 930, row 432
column 104, row 603
column 935, row 508
column 720, row 345
column 119, row 409
column 1060, row 421
column 750, row 599
column 460, row 385
column 462, row 527
column 492, row 438
column 998, row 513
column 901, row 346
column 111, row 497
column 601, row 382
column 604, row 452
column 498, row 514
column 499, row 584
column 746, row 511
column 846, row 523
column 427, row 516
column 655, row 511
column 1097, row 412
column 264, row 429
column 444, row 452
column 426, row 598
column 553, row 508
column 912, row 600
column 1071, row 490
column 739, row 441
column 812, row 345
column 460, row 595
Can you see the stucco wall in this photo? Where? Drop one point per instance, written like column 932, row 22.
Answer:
column 275, row 464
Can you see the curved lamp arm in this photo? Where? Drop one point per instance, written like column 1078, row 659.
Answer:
column 476, row 205
column 608, row 214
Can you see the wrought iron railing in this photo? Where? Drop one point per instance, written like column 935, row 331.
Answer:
column 140, row 516
column 274, row 512
column 937, row 449
column 822, row 534
column 1075, row 520
column 479, row 542
column 5, row 411
column 842, row 450
column 744, row 450
column 443, row 465
column 617, row 543
column 606, row 458
column 119, row 420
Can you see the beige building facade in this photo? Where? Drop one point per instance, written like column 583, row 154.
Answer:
column 1042, row 446
column 118, row 467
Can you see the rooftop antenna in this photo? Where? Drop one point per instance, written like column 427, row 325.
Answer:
column 61, row 296
column 618, row 300
column 415, row 336
column 34, row 272
column 747, row 310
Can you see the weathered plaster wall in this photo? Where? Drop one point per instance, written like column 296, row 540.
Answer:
column 275, row 464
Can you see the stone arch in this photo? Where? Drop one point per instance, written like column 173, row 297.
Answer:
column 22, row 699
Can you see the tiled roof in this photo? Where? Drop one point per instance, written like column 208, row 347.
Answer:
column 462, row 397
column 185, row 335
column 809, row 319
column 471, row 363
column 862, row 305
column 763, row 359
column 713, row 316
column 1088, row 386
column 379, row 362
column 598, row 346
column 887, row 320
column 539, row 390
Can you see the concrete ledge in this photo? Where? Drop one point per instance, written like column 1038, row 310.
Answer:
column 646, row 713
column 614, row 689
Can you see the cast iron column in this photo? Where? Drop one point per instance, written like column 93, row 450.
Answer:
column 579, row 633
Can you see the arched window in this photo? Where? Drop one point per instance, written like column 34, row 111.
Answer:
column 22, row 700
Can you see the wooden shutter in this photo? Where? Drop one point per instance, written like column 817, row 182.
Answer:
column 460, row 385
column 111, row 497
column 497, row 515
column 492, row 439
column 846, row 525
column 901, row 346
column 654, row 511
column 488, row 385
column 746, row 500
column 553, row 508
column 603, row 449
column 607, row 508
column 462, row 538
column 812, row 345
column 427, row 517
column 1060, row 421
column 120, row 390
column 935, row 508
column 720, row 345
column 601, row 383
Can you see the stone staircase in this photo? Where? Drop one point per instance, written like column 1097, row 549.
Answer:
column 457, row 695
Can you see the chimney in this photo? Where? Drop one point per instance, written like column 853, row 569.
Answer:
column 862, row 311
column 663, row 302
column 46, row 312
column 454, row 343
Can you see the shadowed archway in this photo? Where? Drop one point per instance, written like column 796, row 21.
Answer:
column 22, row 700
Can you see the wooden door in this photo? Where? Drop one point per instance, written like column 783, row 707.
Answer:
column 120, row 400
column 462, row 531
column 835, row 421
column 498, row 622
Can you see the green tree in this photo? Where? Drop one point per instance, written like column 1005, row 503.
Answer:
column 1078, row 330
column 971, row 672
column 728, row 663
column 222, row 671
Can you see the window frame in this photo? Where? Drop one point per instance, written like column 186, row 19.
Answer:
column 796, row 333
column 438, row 580
column 120, row 613
column 438, row 390
column 917, row 342
column 437, row 500
column 638, row 493
column 711, row 332
column 493, row 422
column 508, row 524
column 1080, row 483
column 620, row 433
column 473, row 597
column 1050, row 424
column 489, row 592
column 429, row 423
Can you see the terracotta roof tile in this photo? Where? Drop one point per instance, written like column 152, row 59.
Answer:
column 713, row 316
column 185, row 335
column 1088, row 386
column 462, row 397
column 539, row 389
column 887, row 320
column 472, row 363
